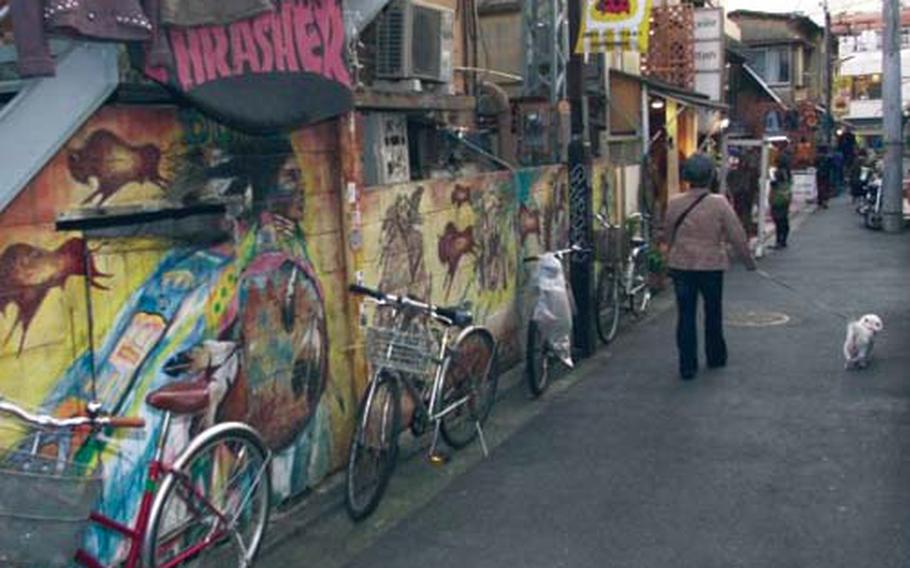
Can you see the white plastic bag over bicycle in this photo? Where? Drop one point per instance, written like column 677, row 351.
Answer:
column 553, row 307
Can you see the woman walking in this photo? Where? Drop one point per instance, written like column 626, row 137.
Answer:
column 696, row 229
column 779, row 200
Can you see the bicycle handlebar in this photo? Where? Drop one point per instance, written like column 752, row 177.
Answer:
column 559, row 254
column 364, row 291
column 448, row 316
column 606, row 222
column 45, row 421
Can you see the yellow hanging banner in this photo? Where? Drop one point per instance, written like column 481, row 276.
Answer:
column 614, row 25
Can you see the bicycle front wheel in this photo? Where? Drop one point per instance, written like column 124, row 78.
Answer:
column 213, row 506
column 607, row 307
column 639, row 288
column 374, row 447
column 468, row 387
column 537, row 361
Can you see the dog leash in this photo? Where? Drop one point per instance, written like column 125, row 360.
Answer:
column 800, row 295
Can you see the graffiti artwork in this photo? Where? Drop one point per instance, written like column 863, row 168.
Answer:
column 528, row 223
column 461, row 195
column 404, row 268
column 494, row 223
column 556, row 216
column 452, row 247
column 109, row 163
column 243, row 319
column 469, row 235
column 258, row 318
column 28, row 273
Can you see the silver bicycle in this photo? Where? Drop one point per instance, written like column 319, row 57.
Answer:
column 624, row 283
column 541, row 357
column 446, row 367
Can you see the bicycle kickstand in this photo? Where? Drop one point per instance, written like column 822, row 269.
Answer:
column 482, row 438
column 435, row 457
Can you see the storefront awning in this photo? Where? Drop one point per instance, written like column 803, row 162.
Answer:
column 668, row 91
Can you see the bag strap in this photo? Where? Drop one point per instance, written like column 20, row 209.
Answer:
column 685, row 214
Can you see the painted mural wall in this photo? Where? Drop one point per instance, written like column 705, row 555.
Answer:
column 267, row 291
column 462, row 241
column 272, row 288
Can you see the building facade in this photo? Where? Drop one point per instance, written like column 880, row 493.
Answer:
column 858, row 92
column 786, row 50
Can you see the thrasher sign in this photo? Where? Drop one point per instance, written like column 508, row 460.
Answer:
column 274, row 71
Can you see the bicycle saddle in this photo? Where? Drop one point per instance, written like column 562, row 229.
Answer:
column 459, row 317
column 638, row 242
column 186, row 397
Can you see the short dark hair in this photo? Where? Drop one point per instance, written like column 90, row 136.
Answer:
column 699, row 170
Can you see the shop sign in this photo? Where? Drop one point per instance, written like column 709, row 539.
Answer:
column 275, row 71
column 614, row 25
column 709, row 52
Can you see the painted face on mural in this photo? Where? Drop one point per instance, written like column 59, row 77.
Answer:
column 288, row 199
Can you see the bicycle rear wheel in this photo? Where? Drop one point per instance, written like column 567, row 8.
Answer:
column 873, row 219
column 374, row 447
column 214, row 505
column 639, row 289
column 537, row 361
column 607, row 305
column 469, row 380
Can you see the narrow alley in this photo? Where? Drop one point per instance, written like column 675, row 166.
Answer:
column 781, row 459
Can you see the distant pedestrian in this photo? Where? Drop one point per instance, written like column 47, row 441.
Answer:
column 847, row 146
column 824, row 175
column 779, row 200
column 838, row 174
column 803, row 154
column 697, row 228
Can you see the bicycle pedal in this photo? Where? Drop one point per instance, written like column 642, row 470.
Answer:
column 438, row 459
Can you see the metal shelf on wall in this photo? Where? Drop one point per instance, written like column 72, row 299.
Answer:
column 198, row 222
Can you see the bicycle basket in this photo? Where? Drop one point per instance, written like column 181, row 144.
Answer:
column 44, row 507
column 408, row 352
column 610, row 245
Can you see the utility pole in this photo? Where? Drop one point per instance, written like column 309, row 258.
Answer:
column 580, row 201
column 829, row 77
column 892, row 184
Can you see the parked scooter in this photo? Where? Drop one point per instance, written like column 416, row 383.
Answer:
column 860, row 188
column 871, row 205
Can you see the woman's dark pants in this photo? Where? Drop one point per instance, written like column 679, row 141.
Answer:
column 689, row 284
column 781, row 226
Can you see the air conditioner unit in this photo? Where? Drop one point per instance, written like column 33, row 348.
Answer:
column 415, row 41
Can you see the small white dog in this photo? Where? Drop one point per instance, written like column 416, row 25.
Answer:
column 860, row 340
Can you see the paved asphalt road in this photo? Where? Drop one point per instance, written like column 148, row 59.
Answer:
column 782, row 459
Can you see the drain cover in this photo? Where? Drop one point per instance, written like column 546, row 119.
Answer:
column 757, row 319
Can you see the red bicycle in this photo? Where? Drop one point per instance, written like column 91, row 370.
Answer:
column 212, row 500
